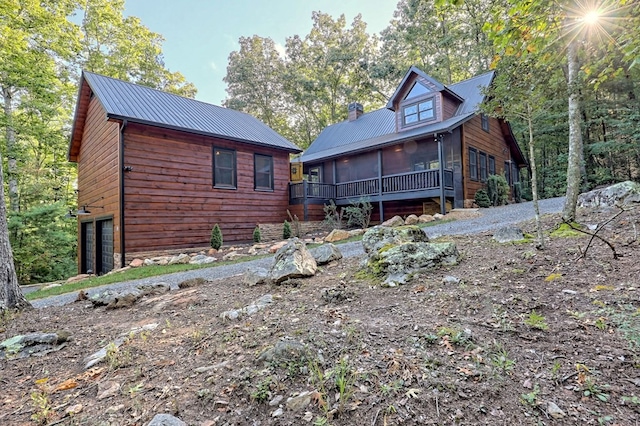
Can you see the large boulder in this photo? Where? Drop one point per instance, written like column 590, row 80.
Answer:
column 33, row 344
column 394, row 221
column 508, row 234
column 293, row 260
column 326, row 253
column 398, row 252
column 337, row 235
column 408, row 257
column 114, row 299
column 381, row 236
column 622, row 194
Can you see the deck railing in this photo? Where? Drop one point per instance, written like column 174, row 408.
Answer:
column 402, row 182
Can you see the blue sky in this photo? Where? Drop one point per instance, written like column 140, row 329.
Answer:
column 200, row 34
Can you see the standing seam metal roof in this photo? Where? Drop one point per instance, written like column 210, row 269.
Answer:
column 124, row 100
column 378, row 128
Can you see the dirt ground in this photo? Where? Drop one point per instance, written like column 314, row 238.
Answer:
column 526, row 336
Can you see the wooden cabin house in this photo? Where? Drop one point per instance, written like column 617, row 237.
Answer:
column 427, row 151
column 157, row 171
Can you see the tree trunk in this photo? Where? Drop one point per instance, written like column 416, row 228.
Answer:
column 534, row 178
column 11, row 296
column 575, row 138
column 12, row 162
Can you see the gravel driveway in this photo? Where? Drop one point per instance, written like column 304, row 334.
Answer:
column 491, row 219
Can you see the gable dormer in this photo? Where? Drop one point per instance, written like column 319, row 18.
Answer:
column 421, row 100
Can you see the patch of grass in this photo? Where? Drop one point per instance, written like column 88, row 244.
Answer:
column 130, row 275
column 435, row 222
column 535, row 320
column 262, row 393
column 501, row 361
column 531, row 399
column 42, row 410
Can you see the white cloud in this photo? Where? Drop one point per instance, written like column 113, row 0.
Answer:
column 213, row 66
column 281, row 50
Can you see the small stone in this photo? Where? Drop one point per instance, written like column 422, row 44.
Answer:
column 299, row 402
column 136, row 263
column 527, row 384
column 114, row 409
column 567, row 291
column 449, row 279
column 166, row 420
column 555, row 411
column 108, row 389
column 74, row 409
column 276, row 400
column 277, row 413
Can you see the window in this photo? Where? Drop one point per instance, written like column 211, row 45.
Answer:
column 224, row 168
column 483, row 166
column 473, row 164
column 263, row 169
column 420, row 111
column 492, row 165
column 507, row 172
column 485, row 122
column 417, row 90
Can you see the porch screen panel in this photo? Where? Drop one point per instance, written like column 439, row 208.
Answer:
column 358, row 167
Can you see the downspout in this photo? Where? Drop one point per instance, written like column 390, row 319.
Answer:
column 121, row 167
column 443, row 206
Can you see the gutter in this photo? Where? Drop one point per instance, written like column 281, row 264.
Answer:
column 121, row 201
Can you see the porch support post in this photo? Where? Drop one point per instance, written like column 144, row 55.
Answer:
column 305, row 188
column 443, row 200
column 380, row 204
column 335, row 172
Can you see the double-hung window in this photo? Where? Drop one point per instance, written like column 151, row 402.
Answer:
column 483, row 166
column 473, row 164
column 263, row 172
column 224, row 168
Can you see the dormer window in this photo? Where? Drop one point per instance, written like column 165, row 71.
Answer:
column 421, row 111
column 417, row 90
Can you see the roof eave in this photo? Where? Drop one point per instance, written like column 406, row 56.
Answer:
column 447, row 129
column 201, row 133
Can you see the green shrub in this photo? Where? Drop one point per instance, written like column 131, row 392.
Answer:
column 286, row 230
column 333, row 216
column 482, row 199
column 257, row 236
column 359, row 213
column 216, row 237
column 497, row 190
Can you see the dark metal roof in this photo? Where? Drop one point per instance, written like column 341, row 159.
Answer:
column 378, row 128
column 141, row 104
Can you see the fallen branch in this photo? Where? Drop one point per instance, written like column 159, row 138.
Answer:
column 594, row 235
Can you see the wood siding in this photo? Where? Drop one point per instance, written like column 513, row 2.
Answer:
column 449, row 107
column 170, row 200
column 492, row 143
column 98, row 177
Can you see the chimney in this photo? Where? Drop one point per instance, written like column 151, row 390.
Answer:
column 355, row 111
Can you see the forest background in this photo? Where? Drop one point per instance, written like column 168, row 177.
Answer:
column 45, row 45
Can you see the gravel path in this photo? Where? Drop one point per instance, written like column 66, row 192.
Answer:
column 491, row 219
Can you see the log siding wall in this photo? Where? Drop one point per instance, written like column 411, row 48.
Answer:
column 170, row 199
column 492, row 143
column 98, row 178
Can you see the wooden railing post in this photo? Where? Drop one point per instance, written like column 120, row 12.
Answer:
column 305, row 189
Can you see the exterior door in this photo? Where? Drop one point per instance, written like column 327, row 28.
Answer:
column 104, row 246
column 86, row 264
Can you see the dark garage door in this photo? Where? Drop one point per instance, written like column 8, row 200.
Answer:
column 104, row 240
